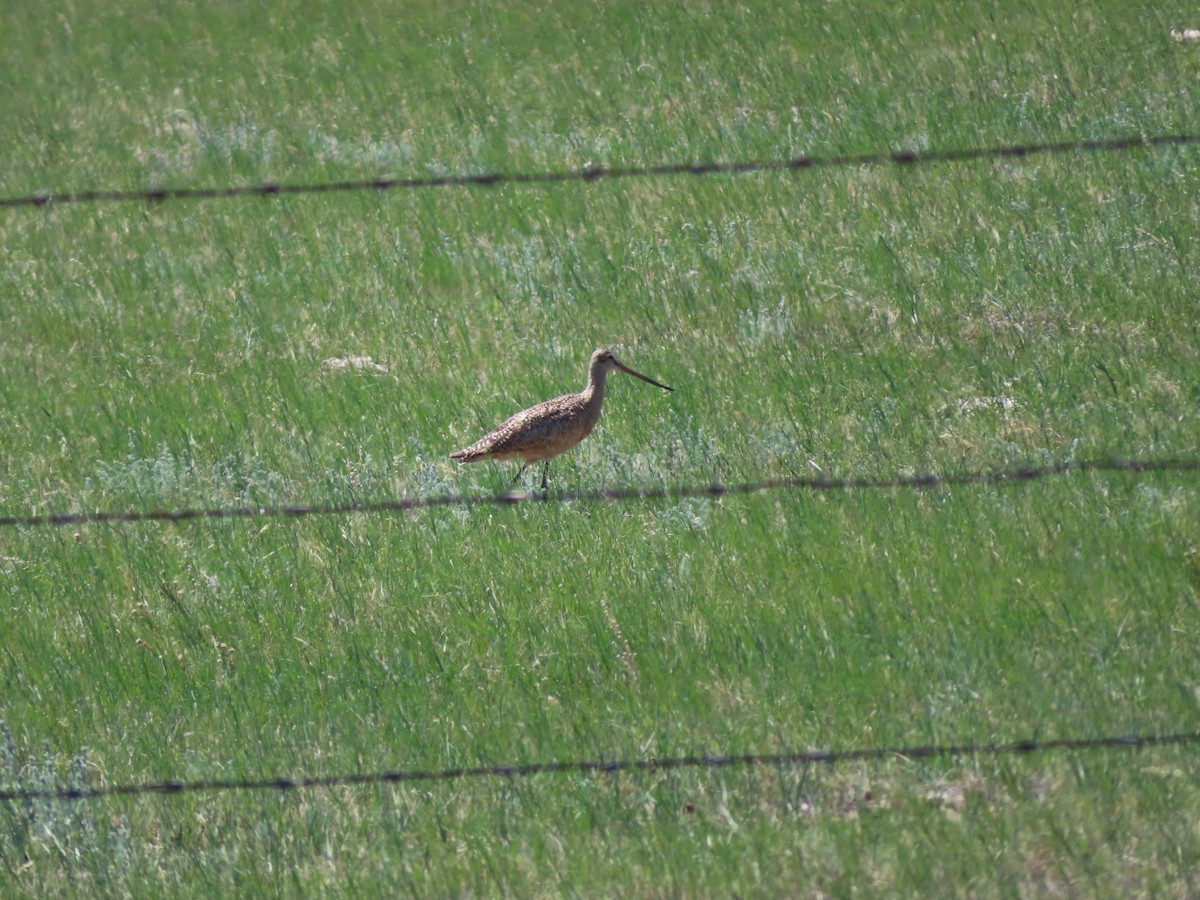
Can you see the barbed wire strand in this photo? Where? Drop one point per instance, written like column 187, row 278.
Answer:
column 595, row 173
column 584, row 767
column 1002, row 476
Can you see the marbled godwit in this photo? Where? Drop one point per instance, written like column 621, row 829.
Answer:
column 541, row 432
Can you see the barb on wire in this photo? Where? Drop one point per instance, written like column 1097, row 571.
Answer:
column 1000, row 476
column 585, row 767
column 594, row 173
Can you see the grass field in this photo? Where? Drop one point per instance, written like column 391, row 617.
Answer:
column 855, row 322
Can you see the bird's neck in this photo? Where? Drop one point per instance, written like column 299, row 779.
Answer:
column 594, row 392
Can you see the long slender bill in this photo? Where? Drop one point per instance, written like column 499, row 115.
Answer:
column 628, row 371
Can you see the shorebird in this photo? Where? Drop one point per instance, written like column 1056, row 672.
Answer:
column 540, row 433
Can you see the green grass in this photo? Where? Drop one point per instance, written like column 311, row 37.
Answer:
column 845, row 322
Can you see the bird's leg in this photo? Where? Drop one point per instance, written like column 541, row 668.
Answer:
column 521, row 470
column 545, row 472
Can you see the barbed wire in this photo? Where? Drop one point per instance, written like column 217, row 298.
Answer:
column 585, row 767
column 595, row 173
column 930, row 480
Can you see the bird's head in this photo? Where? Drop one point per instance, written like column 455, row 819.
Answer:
column 603, row 362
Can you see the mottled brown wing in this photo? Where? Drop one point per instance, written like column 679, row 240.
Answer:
column 548, row 428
